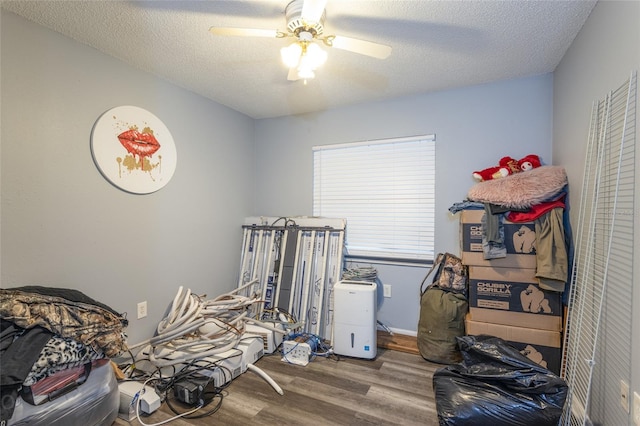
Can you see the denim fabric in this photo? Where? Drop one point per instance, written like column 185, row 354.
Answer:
column 493, row 246
column 465, row 205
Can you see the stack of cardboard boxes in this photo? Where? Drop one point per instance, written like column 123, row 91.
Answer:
column 504, row 297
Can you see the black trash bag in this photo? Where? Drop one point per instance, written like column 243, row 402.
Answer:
column 496, row 385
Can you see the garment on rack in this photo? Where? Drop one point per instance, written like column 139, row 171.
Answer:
column 551, row 256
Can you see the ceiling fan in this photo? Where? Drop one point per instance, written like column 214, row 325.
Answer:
column 305, row 22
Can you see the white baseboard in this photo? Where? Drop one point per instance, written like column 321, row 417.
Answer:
column 404, row 332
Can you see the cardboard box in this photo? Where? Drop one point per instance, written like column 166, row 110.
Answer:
column 542, row 346
column 519, row 239
column 511, row 296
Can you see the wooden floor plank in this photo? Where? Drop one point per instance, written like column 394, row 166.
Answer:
column 398, row 342
column 395, row 388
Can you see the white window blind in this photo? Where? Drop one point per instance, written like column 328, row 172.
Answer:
column 386, row 191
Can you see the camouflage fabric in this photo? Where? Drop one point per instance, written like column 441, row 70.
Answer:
column 91, row 324
column 452, row 274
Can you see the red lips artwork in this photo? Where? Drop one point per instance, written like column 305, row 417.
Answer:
column 143, row 144
column 133, row 149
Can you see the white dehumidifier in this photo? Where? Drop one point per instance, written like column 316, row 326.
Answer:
column 354, row 319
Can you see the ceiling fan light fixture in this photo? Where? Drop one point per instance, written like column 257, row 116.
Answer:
column 314, row 55
column 303, row 56
column 291, row 55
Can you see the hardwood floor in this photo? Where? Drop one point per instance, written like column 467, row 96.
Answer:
column 395, row 388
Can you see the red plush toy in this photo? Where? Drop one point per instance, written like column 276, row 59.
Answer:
column 529, row 162
column 507, row 166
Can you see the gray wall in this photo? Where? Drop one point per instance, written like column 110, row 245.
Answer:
column 64, row 225
column 474, row 128
column 600, row 59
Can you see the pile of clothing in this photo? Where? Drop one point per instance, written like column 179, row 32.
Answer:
column 538, row 196
column 50, row 338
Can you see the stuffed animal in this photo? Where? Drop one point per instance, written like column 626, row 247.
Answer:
column 507, row 166
column 529, row 162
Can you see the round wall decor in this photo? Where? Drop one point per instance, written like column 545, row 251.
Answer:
column 133, row 149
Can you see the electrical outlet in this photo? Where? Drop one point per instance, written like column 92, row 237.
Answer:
column 387, row 290
column 142, row 309
column 636, row 408
column 624, row 395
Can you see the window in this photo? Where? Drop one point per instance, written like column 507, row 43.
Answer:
column 386, row 191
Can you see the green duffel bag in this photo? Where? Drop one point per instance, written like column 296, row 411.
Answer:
column 441, row 321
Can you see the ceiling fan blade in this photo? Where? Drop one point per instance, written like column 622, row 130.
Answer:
column 243, row 32
column 312, row 10
column 363, row 47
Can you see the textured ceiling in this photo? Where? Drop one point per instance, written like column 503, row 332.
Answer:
column 437, row 45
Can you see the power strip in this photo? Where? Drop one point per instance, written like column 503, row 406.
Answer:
column 295, row 352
